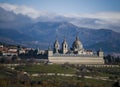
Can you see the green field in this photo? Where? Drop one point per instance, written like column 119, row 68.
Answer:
column 15, row 78
column 69, row 69
column 47, row 69
column 3, row 75
column 61, row 81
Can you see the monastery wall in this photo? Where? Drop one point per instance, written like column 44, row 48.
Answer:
column 76, row 60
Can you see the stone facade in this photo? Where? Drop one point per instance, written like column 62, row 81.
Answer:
column 78, row 55
column 76, row 60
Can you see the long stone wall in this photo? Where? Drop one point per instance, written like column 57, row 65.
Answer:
column 76, row 60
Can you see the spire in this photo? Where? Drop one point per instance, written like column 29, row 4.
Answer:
column 64, row 40
column 64, row 37
column 56, row 41
column 49, row 47
column 77, row 38
column 56, row 37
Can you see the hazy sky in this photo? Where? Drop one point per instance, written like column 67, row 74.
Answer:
column 70, row 6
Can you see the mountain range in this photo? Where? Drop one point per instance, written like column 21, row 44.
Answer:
column 20, row 29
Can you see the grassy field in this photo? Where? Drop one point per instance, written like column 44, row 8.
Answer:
column 12, row 80
column 3, row 75
column 73, row 81
column 107, row 71
column 68, row 69
column 47, row 69
column 4, row 72
column 55, row 81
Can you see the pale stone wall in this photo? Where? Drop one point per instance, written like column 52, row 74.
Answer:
column 76, row 60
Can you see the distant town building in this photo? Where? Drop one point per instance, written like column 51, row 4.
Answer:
column 21, row 51
column 11, row 51
column 76, row 55
column 1, row 48
column 40, row 51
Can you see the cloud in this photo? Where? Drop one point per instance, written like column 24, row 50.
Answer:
column 28, row 11
column 24, row 10
column 100, row 15
column 108, row 20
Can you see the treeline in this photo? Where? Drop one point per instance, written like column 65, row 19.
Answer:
column 109, row 59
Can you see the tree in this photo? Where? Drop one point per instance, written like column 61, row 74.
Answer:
column 14, row 59
column 3, row 60
column 116, row 84
column 1, row 53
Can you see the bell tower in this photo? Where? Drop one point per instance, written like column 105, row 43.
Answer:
column 64, row 46
column 56, row 46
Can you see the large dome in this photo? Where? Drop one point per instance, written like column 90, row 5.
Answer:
column 77, row 45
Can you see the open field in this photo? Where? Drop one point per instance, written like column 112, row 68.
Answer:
column 70, row 69
column 47, row 69
column 16, row 77
column 54, row 81
column 74, row 82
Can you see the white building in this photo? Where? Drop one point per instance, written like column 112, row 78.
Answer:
column 78, row 55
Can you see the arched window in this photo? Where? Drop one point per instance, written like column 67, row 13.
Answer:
column 65, row 46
